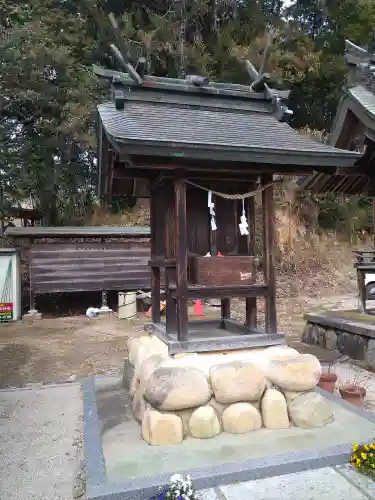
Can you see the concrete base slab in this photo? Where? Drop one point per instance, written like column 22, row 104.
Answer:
column 321, row 484
column 127, row 455
column 121, row 466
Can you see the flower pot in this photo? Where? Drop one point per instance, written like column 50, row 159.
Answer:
column 353, row 394
column 327, row 382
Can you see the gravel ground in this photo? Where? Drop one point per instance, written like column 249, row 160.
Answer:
column 40, row 442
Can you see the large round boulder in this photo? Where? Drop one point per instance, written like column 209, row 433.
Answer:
column 148, row 366
column 240, row 418
column 274, row 410
column 237, row 381
column 176, row 388
column 310, row 410
column 143, row 347
column 296, row 373
column 204, row 423
column 161, row 428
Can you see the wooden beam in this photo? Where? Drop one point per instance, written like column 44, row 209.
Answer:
column 181, row 260
column 240, row 168
column 269, row 254
column 122, row 55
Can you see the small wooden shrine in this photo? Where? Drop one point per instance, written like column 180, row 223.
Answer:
column 205, row 150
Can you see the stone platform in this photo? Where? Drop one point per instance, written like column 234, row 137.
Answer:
column 202, row 395
column 351, row 333
column 121, row 465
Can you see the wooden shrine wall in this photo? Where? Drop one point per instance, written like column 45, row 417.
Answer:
column 200, row 239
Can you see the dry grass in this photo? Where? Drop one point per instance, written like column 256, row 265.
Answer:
column 136, row 216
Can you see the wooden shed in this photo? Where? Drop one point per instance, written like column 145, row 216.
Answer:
column 80, row 259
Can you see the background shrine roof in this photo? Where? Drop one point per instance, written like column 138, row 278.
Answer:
column 359, row 96
column 194, row 122
column 358, row 99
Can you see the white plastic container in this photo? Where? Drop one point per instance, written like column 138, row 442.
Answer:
column 127, row 305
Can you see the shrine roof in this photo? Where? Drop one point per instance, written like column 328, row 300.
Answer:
column 220, row 121
column 354, row 121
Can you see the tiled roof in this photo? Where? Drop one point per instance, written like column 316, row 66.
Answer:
column 364, row 96
column 165, row 123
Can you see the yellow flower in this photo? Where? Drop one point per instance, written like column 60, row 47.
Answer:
column 364, row 456
column 371, row 455
column 372, row 446
column 366, row 447
column 358, row 462
column 355, row 447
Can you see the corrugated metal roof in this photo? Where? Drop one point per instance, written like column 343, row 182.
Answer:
column 189, row 125
column 78, row 232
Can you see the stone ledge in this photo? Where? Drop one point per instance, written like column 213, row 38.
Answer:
column 341, row 323
column 339, row 338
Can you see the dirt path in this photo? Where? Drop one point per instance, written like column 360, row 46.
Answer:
column 58, row 348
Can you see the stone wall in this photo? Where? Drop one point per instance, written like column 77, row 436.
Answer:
column 201, row 395
column 350, row 344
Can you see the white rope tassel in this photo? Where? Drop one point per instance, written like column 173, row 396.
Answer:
column 212, row 211
column 243, row 224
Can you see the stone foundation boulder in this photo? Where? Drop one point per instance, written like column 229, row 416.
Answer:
column 148, row 367
column 177, row 388
column 134, row 385
column 290, row 395
column 141, row 348
column 203, row 395
column 204, row 423
column 161, row 428
column 185, row 417
column 298, row 373
column 139, row 405
column 274, row 410
column 237, row 381
column 240, row 418
column 310, row 410
column 218, row 407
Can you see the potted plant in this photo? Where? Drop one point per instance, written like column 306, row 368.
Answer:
column 328, row 380
column 353, row 394
column 353, row 390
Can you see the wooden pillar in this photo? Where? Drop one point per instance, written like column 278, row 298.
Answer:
column 169, row 254
column 251, row 302
column 155, row 271
column 181, row 260
column 268, row 209
column 373, row 218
